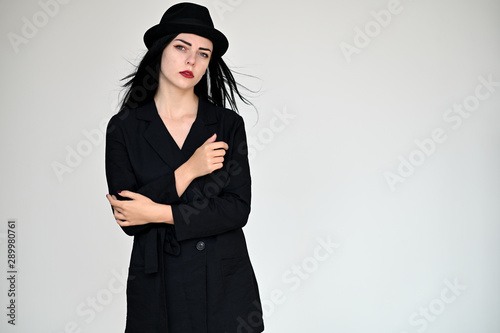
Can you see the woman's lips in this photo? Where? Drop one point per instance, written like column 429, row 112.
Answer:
column 187, row 74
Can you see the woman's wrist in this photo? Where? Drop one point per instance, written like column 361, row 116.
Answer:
column 188, row 171
column 163, row 214
column 183, row 177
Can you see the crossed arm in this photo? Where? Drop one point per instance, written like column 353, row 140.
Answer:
column 218, row 204
column 140, row 210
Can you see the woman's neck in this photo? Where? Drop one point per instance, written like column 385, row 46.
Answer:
column 175, row 103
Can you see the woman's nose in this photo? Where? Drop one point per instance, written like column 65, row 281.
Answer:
column 190, row 59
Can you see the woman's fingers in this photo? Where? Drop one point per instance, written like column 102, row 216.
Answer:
column 131, row 212
column 117, row 208
column 211, row 139
column 112, row 199
column 125, row 194
column 123, row 223
column 129, row 194
column 217, row 145
column 217, row 160
column 117, row 205
column 118, row 213
column 218, row 152
column 216, row 156
column 208, row 157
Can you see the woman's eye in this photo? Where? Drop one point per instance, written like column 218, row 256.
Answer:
column 204, row 55
column 180, row 47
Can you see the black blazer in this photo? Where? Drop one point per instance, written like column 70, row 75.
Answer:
column 194, row 276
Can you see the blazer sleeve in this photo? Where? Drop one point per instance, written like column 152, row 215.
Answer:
column 120, row 174
column 224, row 203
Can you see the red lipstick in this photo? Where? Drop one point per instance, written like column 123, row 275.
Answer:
column 187, row 74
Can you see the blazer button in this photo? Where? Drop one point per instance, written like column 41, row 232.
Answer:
column 200, row 246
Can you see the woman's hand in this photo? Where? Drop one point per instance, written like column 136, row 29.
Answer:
column 208, row 157
column 139, row 210
column 205, row 160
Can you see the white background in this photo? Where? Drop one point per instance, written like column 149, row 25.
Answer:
column 421, row 255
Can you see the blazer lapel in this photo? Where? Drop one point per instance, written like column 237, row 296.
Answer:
column 203, row 127
column 156, row 134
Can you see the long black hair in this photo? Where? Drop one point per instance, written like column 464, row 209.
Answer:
column 217, row 85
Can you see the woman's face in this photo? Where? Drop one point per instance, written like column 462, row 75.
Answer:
column 185, row 60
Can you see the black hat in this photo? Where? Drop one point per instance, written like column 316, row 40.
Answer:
column 188, row 18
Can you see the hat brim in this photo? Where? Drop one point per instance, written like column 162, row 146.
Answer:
column 221, row 44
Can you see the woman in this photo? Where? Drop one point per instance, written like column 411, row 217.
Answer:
column 179, row 182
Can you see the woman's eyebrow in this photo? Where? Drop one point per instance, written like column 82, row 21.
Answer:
column 201, row 48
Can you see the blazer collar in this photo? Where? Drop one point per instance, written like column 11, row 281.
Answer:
column 157, row 135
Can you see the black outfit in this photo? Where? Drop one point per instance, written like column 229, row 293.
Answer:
column 193, row 276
